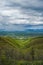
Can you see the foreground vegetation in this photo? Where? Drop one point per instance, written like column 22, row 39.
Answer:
column 21, row 63
column 21, row 51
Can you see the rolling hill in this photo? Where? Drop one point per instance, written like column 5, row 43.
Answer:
column 21, row 49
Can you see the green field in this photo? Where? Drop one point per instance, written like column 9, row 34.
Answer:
column 21, row 51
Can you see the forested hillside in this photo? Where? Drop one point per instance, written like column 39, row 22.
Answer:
column 14, row 50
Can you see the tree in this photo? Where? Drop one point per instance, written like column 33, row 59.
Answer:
column 32, row 53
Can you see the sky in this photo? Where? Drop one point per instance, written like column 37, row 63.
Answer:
column 19, row 15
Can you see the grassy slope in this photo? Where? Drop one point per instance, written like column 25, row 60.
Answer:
column 23, row 47
column 36, row 42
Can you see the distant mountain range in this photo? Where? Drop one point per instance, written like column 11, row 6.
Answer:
column 18, row 31
column 27, row 33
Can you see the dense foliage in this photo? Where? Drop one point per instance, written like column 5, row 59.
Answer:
column 21, row 51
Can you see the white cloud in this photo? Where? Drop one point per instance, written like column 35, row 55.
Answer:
column 24, row 13
column 17, row 17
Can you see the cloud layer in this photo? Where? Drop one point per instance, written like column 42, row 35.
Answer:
column 20, row 12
